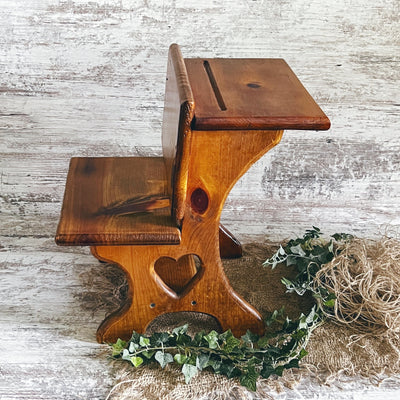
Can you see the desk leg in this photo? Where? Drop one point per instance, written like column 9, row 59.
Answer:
column 208, row 292
column 229, row 246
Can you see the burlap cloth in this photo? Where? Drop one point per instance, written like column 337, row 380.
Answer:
column 334, row 351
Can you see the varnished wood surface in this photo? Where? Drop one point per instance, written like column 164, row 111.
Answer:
column 99, row 193
column 229, row 246
column 176, row 129
column 207, row 289
column 87, row 79
column 251, row 94
column 105, row 199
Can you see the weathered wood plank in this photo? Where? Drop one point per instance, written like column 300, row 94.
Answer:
column 82, row 78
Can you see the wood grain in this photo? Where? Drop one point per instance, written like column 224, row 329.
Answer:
column 253, row 94
column 85, row 78
column 164, row 279
column 96, row 186
column 176, row 130
column 209, row 291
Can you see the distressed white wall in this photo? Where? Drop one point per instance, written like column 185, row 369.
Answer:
column 87, row 78
column 80, row 78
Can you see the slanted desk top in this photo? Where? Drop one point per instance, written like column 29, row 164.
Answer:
column 243, row 94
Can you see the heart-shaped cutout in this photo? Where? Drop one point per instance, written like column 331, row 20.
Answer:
column 179, row 275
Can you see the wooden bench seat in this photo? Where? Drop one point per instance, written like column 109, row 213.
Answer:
column 117, row 200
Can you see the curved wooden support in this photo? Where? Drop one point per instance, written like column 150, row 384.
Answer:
column 177, row 284
column 150, row 297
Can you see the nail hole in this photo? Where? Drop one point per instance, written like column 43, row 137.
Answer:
column 253, row 85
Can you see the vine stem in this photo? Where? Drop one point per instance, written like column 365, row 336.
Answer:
column 191, row 349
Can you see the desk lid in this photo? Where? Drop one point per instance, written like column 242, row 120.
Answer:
column 245, row 94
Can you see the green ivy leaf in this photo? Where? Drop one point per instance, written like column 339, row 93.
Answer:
column 198, row 338
column 230, row 344
column 180, row 358
column 212, row 340
column 273, row 352
column 135, row 337
column 292, row 364
column 330, row 303
column 339, row 237
column 118, row 347
column 274, row 316
column 133, row 347
column 249, row 379
column 229, row 370
column 225, row 335
column 183, row 339
column 126, row 355
column 298, row 250
column 159, row 338
column 136, row 361
column 278, row 258
column 148, row 354
column 144, row 341
column 302, row 354
column 311, row 316
column 251, row 337
column 163, row 358
column 180, row 330
column 264, row 341
column 202, row 361
column 281, row 251
column 267, row 371
column 288, row 283
column 329, row 300
column 215, row 363
column 189, row 371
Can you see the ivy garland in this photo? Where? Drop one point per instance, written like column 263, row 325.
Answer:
column 250, row 356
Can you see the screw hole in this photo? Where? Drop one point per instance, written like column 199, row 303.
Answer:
column 254, row 85
column 152, row 305
column 194, row 303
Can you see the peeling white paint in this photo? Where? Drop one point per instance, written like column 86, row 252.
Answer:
column 84, row 78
